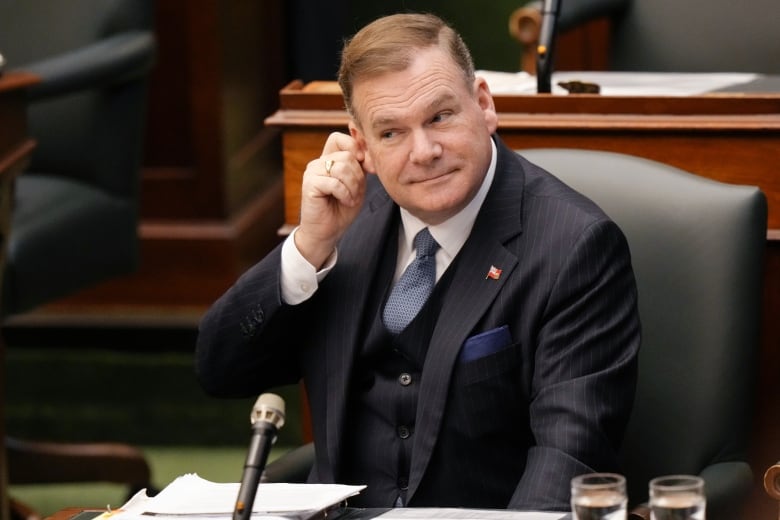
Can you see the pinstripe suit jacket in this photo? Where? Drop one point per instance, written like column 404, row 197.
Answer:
column 507, row 429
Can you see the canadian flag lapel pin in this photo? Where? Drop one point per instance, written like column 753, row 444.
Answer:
column 493, row 273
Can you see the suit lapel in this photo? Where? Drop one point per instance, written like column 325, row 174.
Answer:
column 359, row 254
column 471, row 293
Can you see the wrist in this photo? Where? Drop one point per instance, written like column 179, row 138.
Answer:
column 315, row 251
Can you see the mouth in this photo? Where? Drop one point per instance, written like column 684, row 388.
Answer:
column 436, row 177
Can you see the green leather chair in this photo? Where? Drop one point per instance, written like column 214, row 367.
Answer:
column 697, row 250
column 671, row 35
column 75, row 210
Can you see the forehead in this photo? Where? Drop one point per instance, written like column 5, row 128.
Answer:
column 431, row 79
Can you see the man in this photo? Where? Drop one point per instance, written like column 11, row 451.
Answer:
column 518, row 371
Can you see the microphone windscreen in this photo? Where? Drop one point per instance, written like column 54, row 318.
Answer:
column 268, row 408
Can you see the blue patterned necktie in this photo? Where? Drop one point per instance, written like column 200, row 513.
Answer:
column 415, row 285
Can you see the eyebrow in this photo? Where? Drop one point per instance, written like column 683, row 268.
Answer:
column 433, row 106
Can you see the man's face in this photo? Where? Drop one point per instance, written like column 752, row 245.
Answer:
column 425, row 134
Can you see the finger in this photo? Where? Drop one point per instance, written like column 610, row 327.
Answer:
column 346, row 170
column 341, row 142
column 347, row 190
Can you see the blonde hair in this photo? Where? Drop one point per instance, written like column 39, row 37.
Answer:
column 388, row 45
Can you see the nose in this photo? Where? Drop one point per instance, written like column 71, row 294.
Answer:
column 425, row 147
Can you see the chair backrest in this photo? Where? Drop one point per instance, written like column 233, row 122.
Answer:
column 91, row 129
column 75, row 211
column 697, row 250
column 697, row 36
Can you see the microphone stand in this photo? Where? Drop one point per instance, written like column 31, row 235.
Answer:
column 267, row 417
column 545, row 51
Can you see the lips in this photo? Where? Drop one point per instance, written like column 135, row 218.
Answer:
column 434, row 177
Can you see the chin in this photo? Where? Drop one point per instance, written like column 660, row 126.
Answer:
column 437, row 213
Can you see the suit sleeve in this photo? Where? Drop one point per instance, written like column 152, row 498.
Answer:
column 584, row 369
column 246, row 342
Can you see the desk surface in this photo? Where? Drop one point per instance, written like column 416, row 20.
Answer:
column 367, row 514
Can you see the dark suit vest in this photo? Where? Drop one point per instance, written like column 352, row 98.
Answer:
column 384, row 394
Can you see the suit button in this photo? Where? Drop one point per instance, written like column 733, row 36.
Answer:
column 404, row 432
column 405, row 379
column 403, row 483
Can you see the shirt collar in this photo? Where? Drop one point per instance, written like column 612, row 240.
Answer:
column 453, row 232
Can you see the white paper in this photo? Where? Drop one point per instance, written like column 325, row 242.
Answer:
column 193, row 496
column 620, row 83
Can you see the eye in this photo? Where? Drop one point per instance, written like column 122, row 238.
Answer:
column 441, row 116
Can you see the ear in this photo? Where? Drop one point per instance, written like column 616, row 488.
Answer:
column 486, row 103
column 360, row 139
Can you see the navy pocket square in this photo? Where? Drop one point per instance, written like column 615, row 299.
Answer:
column 485, row 343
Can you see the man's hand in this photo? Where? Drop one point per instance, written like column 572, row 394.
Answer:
column 331, row 196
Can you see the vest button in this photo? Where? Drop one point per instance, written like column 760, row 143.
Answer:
column 405, row 379
column 404, row 432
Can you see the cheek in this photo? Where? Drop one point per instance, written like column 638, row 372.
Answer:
column 386, row 164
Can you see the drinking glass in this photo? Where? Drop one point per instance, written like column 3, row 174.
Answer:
column 599, row 496
column 677, row 497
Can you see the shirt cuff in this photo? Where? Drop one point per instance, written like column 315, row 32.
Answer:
column 299, row 278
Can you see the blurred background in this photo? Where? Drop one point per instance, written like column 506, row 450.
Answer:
column 113, row 362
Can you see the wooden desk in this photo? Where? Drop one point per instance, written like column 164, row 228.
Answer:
column 15, row 149
column 71, row 513
column 730, row 137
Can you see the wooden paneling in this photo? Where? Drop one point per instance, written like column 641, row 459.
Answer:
column 219, row 68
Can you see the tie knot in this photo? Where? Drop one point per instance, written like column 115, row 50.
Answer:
column 425, row 244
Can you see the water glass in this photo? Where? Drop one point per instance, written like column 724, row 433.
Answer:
column 677, row 497
column 599, row 496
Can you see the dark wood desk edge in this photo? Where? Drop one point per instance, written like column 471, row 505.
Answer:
column 70, row 512
column 13, row 80
column 326, row 95
column 749, row 122
column 16, row 159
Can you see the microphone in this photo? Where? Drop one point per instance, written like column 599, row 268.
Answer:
column 545, row 51
column 267, row 417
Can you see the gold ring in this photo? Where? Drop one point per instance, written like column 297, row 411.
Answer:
column 329, row 165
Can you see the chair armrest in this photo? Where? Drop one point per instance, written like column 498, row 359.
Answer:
column 293, row 466
column 727, row 486
column 772, row 481
column 34, row 462
column 112, row 60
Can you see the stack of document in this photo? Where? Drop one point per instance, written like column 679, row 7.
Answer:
column 193, row 496
column 621, row 83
